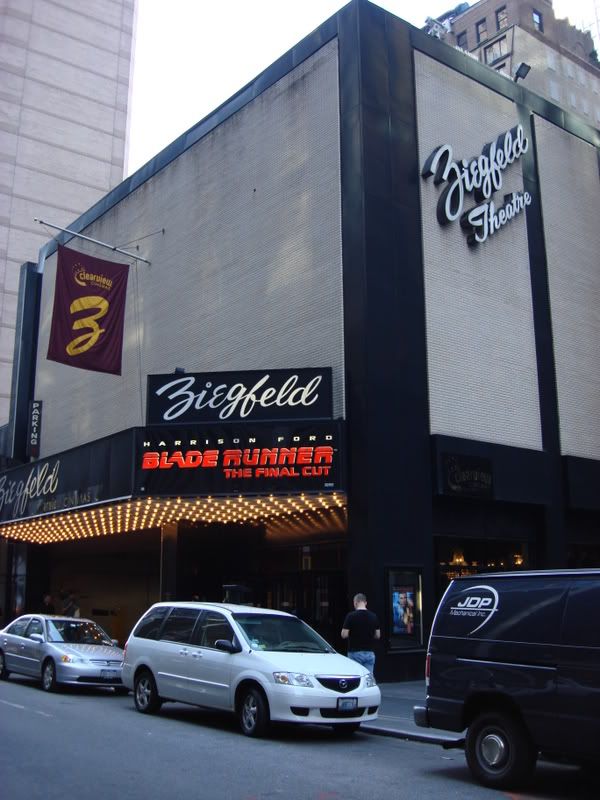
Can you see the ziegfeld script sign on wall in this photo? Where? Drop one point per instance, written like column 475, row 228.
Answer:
column 481, row 177
column 236, row 396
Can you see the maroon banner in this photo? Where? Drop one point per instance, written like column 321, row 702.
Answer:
column 88, row 314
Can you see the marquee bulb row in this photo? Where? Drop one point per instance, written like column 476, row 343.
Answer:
column 296, row 511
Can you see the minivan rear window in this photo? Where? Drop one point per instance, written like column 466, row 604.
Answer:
column 149, row 626
column 518, row 609
column 179, row 625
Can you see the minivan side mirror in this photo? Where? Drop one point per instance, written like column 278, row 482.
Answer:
column 227, row 646
column 36, row 637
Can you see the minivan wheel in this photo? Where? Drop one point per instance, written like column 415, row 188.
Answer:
column 49, row 676
column 3, row 671
column 145, row 694
column 253, row 712
column 499, row 752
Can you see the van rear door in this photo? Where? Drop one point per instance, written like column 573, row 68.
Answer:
column 578, row 679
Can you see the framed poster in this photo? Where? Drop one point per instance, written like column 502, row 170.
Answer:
column 404, row 600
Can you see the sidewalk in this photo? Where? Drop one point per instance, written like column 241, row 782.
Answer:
column 396, row 715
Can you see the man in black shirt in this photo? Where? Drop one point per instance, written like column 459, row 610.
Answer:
column 361, row 628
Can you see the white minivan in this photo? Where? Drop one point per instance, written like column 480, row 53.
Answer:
column 264, row 665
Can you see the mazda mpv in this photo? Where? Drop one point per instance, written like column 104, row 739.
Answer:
column 263, row 665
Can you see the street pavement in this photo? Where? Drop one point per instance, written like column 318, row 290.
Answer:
column 396, row 715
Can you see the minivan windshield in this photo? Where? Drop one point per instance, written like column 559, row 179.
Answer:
column 280, row 634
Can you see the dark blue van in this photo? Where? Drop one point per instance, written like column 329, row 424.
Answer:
column 514, row 658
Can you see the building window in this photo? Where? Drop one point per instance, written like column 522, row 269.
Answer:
column 496, row 50
column 481, row 30
column 461, row 40
column 538, row 21
column 501, row 18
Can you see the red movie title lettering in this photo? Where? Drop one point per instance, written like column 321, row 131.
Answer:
column 191, row 459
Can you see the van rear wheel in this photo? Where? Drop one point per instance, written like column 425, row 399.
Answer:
column 499, row 751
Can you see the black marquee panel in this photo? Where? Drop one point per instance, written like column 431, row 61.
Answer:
column 238, row 459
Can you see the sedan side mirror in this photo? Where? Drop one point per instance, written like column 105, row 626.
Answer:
column 115, row 642
column 227, row 646
column 36, row 637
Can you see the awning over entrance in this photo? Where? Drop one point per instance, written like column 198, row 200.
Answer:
column 145, row 477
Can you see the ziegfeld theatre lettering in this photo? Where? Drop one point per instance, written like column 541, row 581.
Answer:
column 482, row 177
column 42, row 480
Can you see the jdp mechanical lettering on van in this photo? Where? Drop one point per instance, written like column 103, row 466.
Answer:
column 478, row 603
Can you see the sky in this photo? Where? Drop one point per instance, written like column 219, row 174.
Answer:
column 192, row 55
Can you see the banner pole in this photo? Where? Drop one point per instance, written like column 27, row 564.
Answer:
column 95, row 241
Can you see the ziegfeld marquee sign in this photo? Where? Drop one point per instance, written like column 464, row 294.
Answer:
column 480, row 177
column 249, row 395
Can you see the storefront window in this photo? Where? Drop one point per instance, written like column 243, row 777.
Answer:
column 456, row 557
column 404, row 612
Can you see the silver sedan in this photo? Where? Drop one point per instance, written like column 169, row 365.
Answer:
column 59, row 650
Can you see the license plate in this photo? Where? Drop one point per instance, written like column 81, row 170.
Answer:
column 347, row 703
column 108, row 673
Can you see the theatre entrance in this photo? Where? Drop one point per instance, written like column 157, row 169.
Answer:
column 116, row 578
column 244, row 563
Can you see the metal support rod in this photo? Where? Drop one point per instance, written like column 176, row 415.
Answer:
column 89, row 239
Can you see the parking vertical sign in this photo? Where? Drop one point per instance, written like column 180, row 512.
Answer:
column 35, row 428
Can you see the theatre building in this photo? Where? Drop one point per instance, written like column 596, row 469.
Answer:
column 344, row 338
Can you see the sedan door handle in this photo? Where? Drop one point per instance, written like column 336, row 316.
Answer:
column 183, row 651
column 196, row 655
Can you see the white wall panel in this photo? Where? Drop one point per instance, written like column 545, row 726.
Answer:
column 480, row 335
column 248, row 272
column 570, row 186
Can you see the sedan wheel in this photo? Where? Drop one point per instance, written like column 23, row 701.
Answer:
column 253, row 713
column 145, row 695
column 3, row 670
column 49, row 676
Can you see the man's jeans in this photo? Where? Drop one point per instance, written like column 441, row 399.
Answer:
column 364, row 657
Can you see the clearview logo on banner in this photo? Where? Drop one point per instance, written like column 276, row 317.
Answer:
column 480, row 176
column 88, row 313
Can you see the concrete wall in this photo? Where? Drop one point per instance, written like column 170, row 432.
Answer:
column 248, row 272
column 570, row 185
column 64, row 83
column 480, row 335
